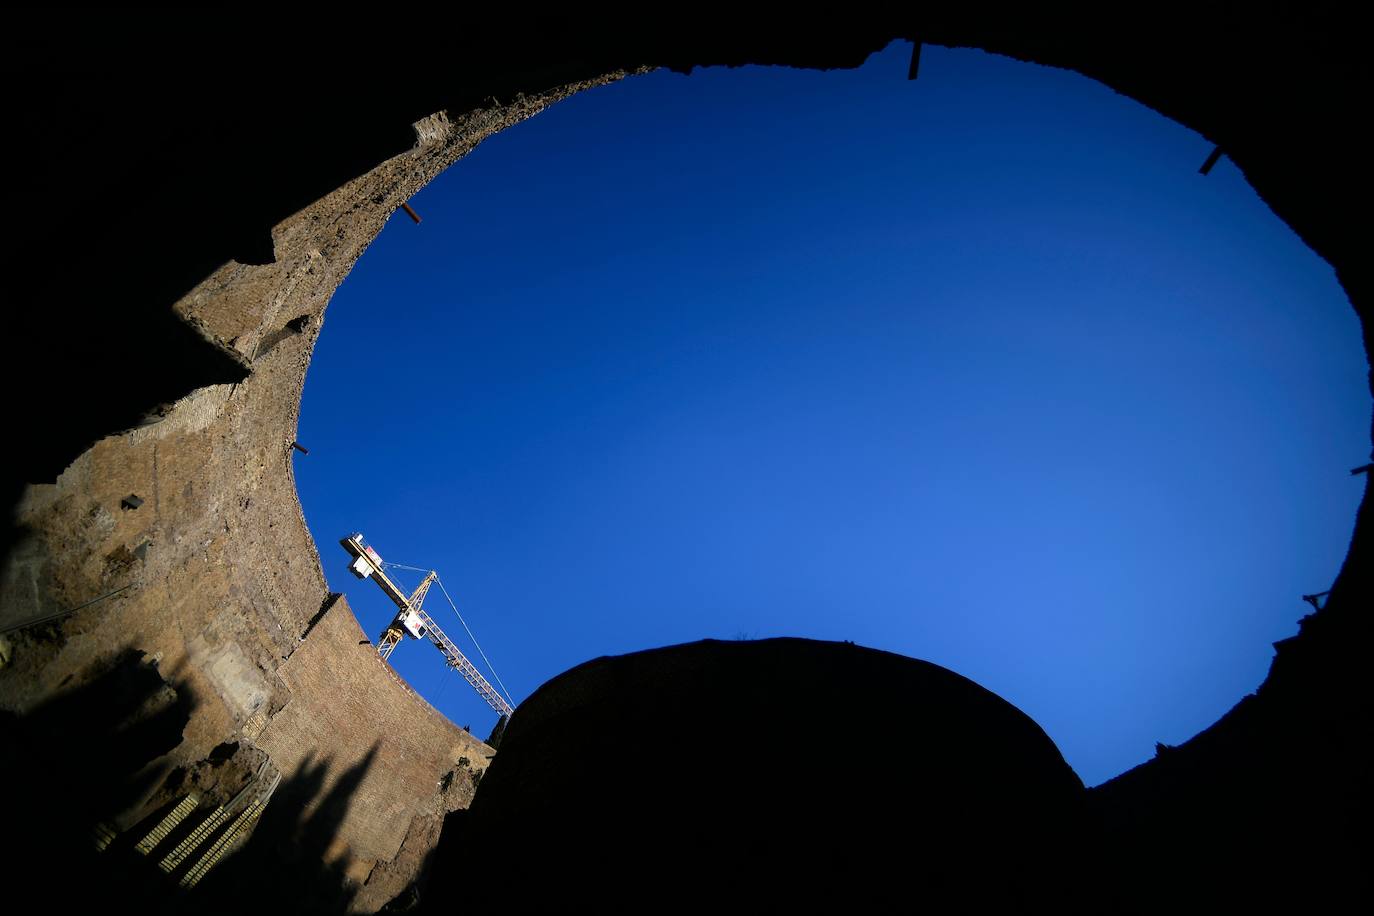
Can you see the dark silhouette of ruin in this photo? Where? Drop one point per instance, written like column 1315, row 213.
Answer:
column 725, row 783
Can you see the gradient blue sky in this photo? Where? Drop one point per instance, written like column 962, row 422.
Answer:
column 977, row 369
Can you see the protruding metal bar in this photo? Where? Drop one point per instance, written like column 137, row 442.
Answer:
column 1315, row 600
column 1211, row 161
column 60, row 614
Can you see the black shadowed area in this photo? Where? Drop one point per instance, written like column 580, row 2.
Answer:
column 778, row 772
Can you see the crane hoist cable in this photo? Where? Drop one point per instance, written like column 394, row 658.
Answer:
column 490, row 666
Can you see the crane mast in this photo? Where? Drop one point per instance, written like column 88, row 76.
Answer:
column 412, row 620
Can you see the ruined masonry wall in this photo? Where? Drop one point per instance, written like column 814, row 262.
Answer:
column 349, row 706
column 224, row 576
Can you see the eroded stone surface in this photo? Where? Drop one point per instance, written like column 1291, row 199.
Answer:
column 224, row 578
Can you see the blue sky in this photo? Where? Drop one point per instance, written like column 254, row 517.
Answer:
column 977, row 369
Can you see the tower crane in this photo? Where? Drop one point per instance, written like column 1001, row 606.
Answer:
column 411, row 619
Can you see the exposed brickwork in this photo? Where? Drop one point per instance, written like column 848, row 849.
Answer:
column 224, row 576
column 346, row 703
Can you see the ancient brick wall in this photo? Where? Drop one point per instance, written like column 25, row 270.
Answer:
column 219, row 581
column 350, row 709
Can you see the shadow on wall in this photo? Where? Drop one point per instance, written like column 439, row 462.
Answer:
column 92, row 753
column 291, row 857
column 95, row 757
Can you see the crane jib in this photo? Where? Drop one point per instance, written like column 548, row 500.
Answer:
column 411, row 619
